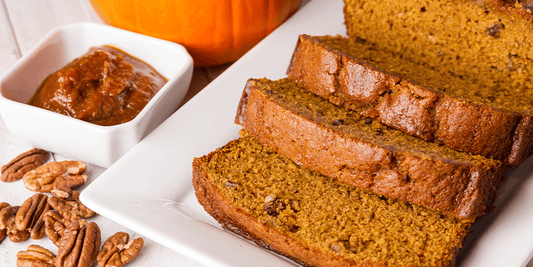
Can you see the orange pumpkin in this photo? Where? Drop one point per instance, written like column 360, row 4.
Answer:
column 213, row 31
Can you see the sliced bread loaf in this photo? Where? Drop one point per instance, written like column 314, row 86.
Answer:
column 432, row 104
column 362, row 152
column 315, row 220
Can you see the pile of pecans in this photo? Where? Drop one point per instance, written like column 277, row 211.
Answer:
column 60, row 217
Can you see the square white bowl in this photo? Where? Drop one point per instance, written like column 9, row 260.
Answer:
column 95, row 144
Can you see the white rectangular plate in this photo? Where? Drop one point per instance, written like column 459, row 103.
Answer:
column 149, row 190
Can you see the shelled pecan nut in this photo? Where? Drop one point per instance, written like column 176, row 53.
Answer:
column 55, row 225
column 67, row 202
column 23, row 163
column 30, row 215
column 56, row 174
column 31, row 211
column 117, row 251
column 35, row 256
column 7, row 222
column 79, row 246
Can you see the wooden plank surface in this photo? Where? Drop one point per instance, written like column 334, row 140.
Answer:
column 9, row 51
column 32, row 19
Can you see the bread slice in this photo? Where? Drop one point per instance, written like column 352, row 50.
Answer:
column 317, row 221
column 359, row 151
column 487, row 41
column 431, row 104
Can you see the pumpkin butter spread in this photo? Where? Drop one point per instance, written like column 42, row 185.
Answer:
column 105, row 86
column 316, row 220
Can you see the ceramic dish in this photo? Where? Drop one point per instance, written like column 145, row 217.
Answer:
column 99, row 145
column 149, row 190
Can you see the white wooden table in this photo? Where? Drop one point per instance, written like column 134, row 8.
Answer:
column 22, row 24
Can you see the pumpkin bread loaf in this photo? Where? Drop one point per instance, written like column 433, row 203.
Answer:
column 433, row 104
column 362, row 152
column 315, row 220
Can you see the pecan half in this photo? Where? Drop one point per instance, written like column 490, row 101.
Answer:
column 117, row 251
column 79, row 247
column 7, row 222
column 67, row 202
column 35, row 256
column 54, row 175
column 23, row 163
column 55, row 225
column 30, row 215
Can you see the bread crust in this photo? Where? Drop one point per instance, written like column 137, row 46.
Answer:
column 404, row 105
column 453, row 187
